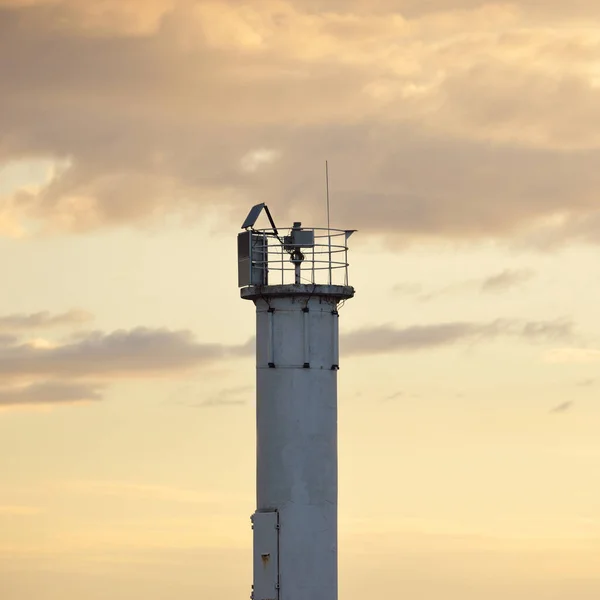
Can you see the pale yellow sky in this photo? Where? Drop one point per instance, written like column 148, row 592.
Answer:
column 462, row 140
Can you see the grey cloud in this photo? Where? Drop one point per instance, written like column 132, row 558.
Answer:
column 387, row 338
column 506, row 279
column 50, row 393
column 547, row 330
column 137, row 352
column 159, row 122
column 42, row 320
column 246, row 349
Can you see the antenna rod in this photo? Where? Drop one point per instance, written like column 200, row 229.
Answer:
column 327, row 190
column 328, row 230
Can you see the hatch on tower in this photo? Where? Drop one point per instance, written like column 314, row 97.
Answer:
column 266, row 555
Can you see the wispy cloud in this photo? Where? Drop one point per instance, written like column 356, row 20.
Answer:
column 586, row 382
column 400, row 395
column 563, row 407
column 20, row 322
column 498, row 282
column 234, row 396
column 506, row 280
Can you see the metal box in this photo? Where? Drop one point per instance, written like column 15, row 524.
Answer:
column 301, row 238
column 266, row 555
column 252, row 259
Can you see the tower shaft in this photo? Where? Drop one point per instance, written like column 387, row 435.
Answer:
column 295, row 524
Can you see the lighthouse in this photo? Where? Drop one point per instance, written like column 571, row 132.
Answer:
column 298, row 280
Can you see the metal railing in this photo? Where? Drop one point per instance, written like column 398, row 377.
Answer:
column 325, row 262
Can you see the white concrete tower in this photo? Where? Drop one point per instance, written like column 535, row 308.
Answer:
column 293, row 281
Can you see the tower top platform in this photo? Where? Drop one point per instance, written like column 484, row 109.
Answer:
column 303, row 256
column 338, row 292
column 272, row 262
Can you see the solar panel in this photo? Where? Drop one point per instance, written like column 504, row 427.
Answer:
column 253, row 215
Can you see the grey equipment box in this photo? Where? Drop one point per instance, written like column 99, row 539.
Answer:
column 252, row 259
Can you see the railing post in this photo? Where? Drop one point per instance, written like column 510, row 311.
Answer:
column 345, row 264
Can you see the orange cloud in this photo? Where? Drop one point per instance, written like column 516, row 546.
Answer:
column 454, row 119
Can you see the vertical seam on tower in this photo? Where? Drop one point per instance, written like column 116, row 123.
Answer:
column 306, row 339
column 271, row 346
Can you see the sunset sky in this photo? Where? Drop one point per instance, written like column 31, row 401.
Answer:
column 463, row 140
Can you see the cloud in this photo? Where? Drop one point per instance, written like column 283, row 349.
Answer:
column 8, row 340
column 50, row 393
column 254, row 159
column 387, row 338
column 547, row 330
column 438, row 119
column 77, row 370
column 42, row 320
column 108, row 18
column 123, row 353
column 506, row 279
column 586, row 383
column 400, row 394
column 562, row 408
column 395, row 396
